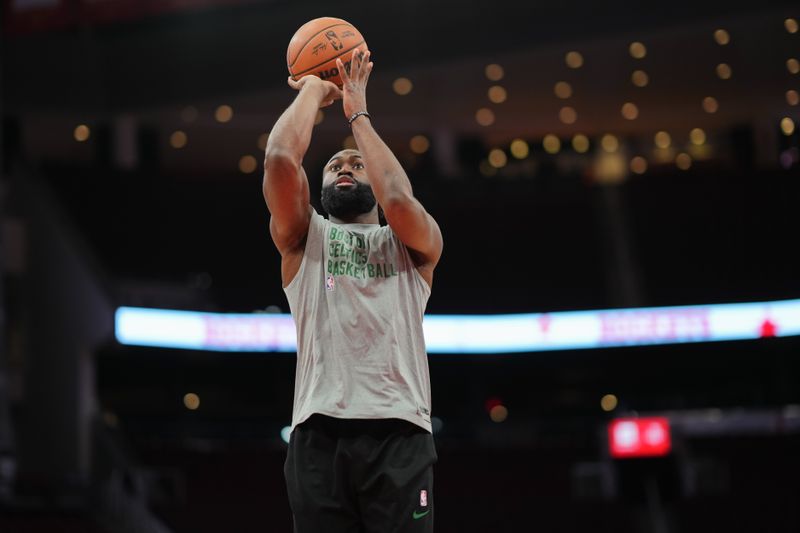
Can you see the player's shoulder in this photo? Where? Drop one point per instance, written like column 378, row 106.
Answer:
column 318, row 219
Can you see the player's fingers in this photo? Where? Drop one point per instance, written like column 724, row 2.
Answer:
column 357, row 64
column 366, row 72
column 342, row 71
column 369, row 71
column 367, row 65
column 365, row 62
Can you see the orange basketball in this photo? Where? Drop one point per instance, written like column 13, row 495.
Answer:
column 316, row 45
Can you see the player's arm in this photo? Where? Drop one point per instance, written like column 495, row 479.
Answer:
column 285, row 183
column 414, row 226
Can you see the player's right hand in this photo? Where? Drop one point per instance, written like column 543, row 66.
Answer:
column 329, row 91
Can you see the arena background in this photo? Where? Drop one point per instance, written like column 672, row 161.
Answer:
column 579, row 156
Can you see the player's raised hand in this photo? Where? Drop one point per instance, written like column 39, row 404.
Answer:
column 354, row 82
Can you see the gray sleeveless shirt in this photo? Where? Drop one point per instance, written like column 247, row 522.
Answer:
column 358, row 303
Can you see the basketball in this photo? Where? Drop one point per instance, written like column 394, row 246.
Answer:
column 317, row 44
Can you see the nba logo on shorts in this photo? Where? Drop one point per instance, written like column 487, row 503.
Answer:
column 423, row 498
column 329, row 283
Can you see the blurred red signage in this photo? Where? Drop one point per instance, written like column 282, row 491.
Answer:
column 639, row 437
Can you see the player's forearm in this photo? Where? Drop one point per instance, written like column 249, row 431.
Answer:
column 388, row 179
column 291, row 134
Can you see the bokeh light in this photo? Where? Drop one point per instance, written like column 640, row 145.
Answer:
column 248, row 164
column 224, row 113
column 609, row 143
column 494, row 72
column 574, row 59
column 484, row 116
column 497, row 94
column 637, row 50
column 567, row 115
column 787, row 126
column 178, row 139
column 519, row 149
column 580, row 143
column 498, row 413
column 640, row 78
column 497, row 158
column 608, row 402
column 724, row 71
column 562, row 90
column 419, row 144
column 697, row 136
column 551, row 144
column 683, row 161
column 610, row 168
column 629, row 111
column 638, row 165
column 81, row 133
column 191, row 401
column 402, row 86
column 710, row 104
column 722, row 37
column 662, row 139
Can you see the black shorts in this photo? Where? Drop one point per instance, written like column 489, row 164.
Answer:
column 360, row 476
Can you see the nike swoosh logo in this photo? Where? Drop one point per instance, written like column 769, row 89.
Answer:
column 417, row 515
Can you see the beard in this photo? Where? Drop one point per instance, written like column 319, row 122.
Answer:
column 348, row 202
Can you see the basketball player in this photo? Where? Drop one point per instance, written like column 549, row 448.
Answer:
column 361, row 452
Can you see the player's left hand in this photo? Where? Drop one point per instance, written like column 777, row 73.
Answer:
column 354, row 82
column 329, row 92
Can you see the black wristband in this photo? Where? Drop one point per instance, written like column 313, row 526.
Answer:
column 356, row 115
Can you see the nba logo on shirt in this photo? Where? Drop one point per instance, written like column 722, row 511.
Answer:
column 423, row 498
column 329, row 283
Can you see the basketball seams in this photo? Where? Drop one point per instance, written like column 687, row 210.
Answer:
column 300, row 52
column 294, row 76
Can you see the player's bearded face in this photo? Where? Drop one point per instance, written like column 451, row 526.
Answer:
column 347, row 202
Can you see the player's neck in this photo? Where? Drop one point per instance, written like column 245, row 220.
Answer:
column 363, row 218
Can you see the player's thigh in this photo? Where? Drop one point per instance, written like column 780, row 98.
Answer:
column 398, row 497
column 318, row 498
